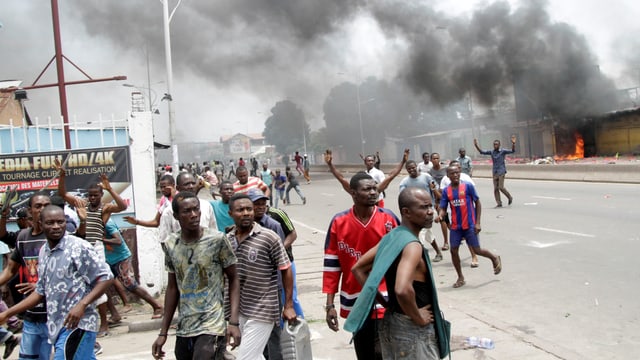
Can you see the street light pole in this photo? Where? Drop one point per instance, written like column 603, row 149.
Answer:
column 168, row 96
column 149, row 80
column 360, row 119
column 152, row 97
column 304, row 135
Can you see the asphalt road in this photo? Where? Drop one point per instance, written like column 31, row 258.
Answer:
column 569, row 280
column 569, row 251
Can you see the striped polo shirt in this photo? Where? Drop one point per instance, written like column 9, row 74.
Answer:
column 252, row 183
column 260, row 256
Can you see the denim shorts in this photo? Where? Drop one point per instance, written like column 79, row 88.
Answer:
column 35, row 341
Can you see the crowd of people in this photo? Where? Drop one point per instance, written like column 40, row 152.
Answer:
column 230, row 263
column 213, row 173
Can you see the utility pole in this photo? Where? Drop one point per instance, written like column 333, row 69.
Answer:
column 168, row 96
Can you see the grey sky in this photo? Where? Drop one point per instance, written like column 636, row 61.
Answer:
column 234, row 59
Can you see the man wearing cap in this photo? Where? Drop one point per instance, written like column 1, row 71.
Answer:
column 22, row 220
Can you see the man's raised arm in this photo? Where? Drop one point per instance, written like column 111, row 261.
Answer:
column 328, row 158
column 62, row 191
column 385, row 183
column 120, row 205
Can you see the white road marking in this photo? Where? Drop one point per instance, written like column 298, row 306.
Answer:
column 551, row 198
column 564, row 232
column 539, row 245
column 534, row 203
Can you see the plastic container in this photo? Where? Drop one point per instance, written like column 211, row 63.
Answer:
column 295, row 341
column 483, row 343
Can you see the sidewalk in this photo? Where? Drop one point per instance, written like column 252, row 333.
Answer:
column 328, row 345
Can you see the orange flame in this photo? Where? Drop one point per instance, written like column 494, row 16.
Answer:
column 578, row 151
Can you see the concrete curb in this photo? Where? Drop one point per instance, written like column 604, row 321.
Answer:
column 628, row 173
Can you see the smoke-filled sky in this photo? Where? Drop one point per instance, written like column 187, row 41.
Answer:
column 234, row 59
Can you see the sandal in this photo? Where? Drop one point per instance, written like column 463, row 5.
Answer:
column 498, row 268
column 474, row 264
column 445, row 247
column 459, row 283
column 157, row 314
column 113, row 323
column 102, row 334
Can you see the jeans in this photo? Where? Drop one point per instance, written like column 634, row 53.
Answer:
column 279, row 194
column 401, row 338
column 296, row 303
column 297, row 189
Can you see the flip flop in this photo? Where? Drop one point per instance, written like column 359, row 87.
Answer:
column 498, row 268
column 459, row 283
column 113, row 324
column 126, row 309
column 445, row 247
column 474, row 264
column 102, row 334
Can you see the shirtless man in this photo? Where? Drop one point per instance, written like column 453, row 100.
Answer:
column 409, row 317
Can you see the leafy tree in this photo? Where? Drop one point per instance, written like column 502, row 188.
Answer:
column 384, row 111
column 285, row 127
column 319, row 140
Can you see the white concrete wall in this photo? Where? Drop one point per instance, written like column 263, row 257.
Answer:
column 150, row 256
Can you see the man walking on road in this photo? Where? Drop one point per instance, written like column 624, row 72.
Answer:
column 466, row 166
column 24, row 260
column 71, row 277
column 499, row 167
column 261, row 255
column 402, row 261
column 169, row 224
column 376, row 174
column 465, row 221
column 197, row 258
column 422, row 181
column 352, row 233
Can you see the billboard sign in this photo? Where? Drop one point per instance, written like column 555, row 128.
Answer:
column 32, row 172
